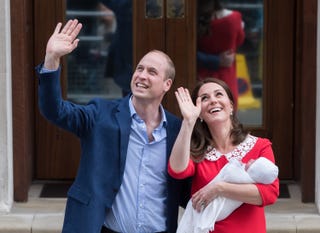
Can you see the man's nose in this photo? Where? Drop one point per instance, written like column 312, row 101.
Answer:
column 143, row 74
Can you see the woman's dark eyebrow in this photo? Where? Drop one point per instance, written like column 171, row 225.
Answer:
column 203, row 95
column 215, row 91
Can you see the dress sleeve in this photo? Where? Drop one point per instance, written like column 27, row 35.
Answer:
column 269, row 192
column 189, row 171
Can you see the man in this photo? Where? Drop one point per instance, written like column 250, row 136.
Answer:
column 122, row 183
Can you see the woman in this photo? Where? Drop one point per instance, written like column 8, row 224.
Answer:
column 209, row 137
column 219, row 30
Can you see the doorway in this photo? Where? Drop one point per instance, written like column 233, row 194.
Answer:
column 289, row 74
column 57, row 152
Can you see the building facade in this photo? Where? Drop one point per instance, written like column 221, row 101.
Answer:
column 24, row 36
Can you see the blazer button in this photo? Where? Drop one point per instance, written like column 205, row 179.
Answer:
column 115, row 190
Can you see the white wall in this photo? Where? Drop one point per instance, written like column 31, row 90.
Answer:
column 317, row 175
column 6, row 168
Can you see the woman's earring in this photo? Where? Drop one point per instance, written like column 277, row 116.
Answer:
column 201, row 120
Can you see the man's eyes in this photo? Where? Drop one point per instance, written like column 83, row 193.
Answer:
column 152, row 72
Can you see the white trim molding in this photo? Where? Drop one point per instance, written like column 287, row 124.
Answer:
column 317, row 168
column 6, row 151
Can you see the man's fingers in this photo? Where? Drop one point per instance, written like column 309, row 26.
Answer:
column 58, row 27
column 72, row 27
column 66, row 28
column 75, row 31
column 75, row 44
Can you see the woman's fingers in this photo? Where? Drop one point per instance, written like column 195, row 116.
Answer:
column 184, row 94
column 199, row 203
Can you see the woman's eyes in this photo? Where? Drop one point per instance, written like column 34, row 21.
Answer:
column 218, row 94
column 203, row 98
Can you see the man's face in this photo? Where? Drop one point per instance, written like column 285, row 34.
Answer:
column 149, row 80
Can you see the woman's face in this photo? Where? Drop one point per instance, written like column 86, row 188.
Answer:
column 215, row 103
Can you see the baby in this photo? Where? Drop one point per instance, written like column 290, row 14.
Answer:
column 260, row 170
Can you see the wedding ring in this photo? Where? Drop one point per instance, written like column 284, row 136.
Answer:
column 203, row 204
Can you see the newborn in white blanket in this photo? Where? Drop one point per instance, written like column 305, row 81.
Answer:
column 261, row 170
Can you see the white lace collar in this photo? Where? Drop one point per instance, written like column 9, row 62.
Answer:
column 239, row 152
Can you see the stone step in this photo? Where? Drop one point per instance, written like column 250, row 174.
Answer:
column 27, row 223
column 52, row 223
column 45, row 215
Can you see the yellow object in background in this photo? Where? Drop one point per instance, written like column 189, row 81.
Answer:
column 246, row 100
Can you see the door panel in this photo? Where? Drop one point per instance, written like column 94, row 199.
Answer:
column 148, row 32
column 174, row 34
column 58, row 152
column 279, row 78
column 181, row 47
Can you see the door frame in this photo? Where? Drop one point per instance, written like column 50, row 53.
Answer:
column 23, row 115
column 306, row 97
column 24, row 101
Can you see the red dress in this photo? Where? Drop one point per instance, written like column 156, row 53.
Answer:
column 226, row 33
column 247, row 218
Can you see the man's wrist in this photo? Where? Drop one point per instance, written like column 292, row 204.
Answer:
column 51, row 62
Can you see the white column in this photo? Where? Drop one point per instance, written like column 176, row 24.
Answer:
column 6, row 167
column 317, row 175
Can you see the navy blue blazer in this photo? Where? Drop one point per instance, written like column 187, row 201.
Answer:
column 103, row 127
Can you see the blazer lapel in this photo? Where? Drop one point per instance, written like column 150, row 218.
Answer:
column 170, row 135
column 124, row 121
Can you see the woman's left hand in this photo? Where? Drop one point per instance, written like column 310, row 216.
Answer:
column 204, row 196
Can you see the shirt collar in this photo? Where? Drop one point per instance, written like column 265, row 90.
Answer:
column 135, row 115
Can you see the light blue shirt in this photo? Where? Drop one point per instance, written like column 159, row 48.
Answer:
column 140, row 205
column 45, row 70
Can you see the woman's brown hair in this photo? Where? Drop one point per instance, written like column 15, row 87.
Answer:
column 201, row 137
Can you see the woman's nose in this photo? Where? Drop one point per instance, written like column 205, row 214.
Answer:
column 213, row 100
